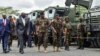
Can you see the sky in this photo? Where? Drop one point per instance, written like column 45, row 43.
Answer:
column 96, row 3
column 30, row 5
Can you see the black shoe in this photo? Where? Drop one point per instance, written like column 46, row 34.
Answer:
column 21, row 52
column 67, row 48
column 9, row 49
column 5, row 51
column 29, row 46
column 82, row 48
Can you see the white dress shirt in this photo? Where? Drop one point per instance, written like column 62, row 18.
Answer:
column 23, row 20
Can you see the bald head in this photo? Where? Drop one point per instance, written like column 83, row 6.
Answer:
column 23, row 15
column 4, row 16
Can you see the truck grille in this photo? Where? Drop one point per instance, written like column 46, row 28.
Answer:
column 95, row 19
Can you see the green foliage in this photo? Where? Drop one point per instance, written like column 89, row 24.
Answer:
column 81, row 10
column 8, row 10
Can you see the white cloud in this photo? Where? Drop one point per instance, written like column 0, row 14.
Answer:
column 42, row 3
column 29, row 5
column 95, row 3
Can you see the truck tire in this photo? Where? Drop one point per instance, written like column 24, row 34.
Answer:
column 98, row 42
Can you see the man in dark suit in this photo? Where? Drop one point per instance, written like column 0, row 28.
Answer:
column 0, row 29
column 5, row 33
column 21, row 26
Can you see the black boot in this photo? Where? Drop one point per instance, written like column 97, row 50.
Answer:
column 79, row 47
column 82, row 48
column 67, row 48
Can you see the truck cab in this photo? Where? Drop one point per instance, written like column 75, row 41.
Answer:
column 50, row 12
column 34, row 15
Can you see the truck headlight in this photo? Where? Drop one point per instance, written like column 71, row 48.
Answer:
column 89, row 33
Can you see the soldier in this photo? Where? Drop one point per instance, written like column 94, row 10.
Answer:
column 67, row 33
column 42, row 32
column 80, row 34
column 56, row 26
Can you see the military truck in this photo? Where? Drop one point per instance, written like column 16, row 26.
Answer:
column 50, row 12
column 34, row 15
column 92, row 20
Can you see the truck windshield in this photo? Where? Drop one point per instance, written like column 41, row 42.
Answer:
column 95, row 3
column 60, row 12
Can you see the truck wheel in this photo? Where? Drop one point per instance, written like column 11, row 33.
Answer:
column 98, row 41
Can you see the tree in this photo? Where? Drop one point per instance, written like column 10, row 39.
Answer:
column 8, row 10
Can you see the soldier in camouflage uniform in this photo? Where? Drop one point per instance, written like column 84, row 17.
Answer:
column 56, row 26
column 42, row 32
column 80, row 34
column 67, row 33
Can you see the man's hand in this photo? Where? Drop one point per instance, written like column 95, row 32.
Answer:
column 54, row 30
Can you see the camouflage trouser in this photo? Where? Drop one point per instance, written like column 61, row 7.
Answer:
column 80, row 39
column 80, row 42
column 56, row 39
column 43, row 39
column 67, row 39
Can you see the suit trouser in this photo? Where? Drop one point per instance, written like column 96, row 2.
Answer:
column 21, row 42
column 25, row 39
column 36, row 40
column 5, row 41
column 29, row 40
column 10, row 40
column 0, row 39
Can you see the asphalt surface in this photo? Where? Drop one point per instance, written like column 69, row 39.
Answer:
column 34, row 52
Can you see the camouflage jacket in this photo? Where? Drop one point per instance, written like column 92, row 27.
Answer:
column 68, row 26
column 57, row 25
column 43, row 25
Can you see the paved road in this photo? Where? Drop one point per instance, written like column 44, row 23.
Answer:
column 33, row 52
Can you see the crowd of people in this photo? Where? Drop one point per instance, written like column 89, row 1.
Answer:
column 26, row 32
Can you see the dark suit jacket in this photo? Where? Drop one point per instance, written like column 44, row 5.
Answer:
column 5, row 30
column 13, row 29
column 29, row 28
column 21, row 29
column 1, row 28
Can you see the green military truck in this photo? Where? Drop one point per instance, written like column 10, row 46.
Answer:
column 92, row 20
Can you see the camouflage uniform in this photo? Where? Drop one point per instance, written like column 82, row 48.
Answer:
column 80, row 35
column 57, row 25
column 67, row 26
column 43, row 32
